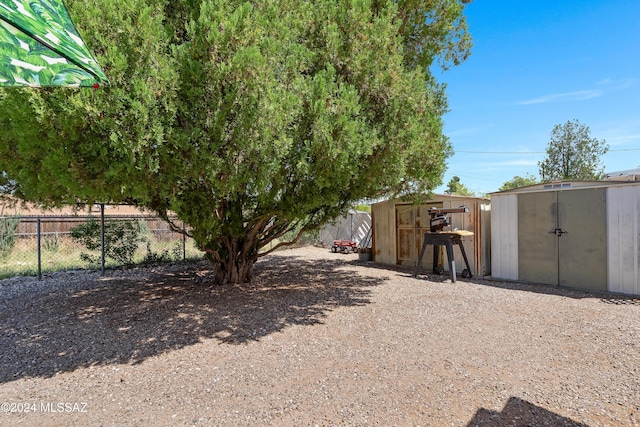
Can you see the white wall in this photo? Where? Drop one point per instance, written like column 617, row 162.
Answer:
column 504, row 236
column 623, row 237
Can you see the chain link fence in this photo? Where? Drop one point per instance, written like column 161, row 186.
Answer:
column 33, row 245
column 36, row 245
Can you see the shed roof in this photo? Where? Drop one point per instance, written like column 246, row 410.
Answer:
column 566, row 185
column 625, row 175
column 435, row 197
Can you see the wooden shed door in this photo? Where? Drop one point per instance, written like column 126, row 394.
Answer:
column 406, row 234
column 562, row 238
column 411, row 222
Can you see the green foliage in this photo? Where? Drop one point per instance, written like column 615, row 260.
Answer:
column 121, row 240
column 454, row 186
column 248, row 120
column 143, row 228
column 152, row 257
column 572, row 154
column 434, row 29
column 178, row 251
column 519, row 181
column 8, row 227
column 174, row 253
column 51, row 243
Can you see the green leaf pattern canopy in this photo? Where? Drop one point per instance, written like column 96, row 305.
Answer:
column 40, row 46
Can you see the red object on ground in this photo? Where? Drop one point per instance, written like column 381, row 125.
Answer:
column 344, row 246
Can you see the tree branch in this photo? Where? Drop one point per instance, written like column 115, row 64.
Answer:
column 281, row 244
column 175, row 228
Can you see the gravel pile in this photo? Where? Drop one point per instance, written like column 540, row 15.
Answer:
column 318, row 339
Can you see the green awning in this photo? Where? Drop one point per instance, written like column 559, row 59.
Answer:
column 40, row 46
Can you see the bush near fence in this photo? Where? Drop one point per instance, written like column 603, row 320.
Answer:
column 58, row 250
column 8, row 226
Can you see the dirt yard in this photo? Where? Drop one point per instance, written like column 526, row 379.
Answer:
column 319, row 339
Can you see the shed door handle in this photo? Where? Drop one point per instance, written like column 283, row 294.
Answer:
column 558, row 232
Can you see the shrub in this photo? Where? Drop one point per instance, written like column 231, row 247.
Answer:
column 51, row 243
column 8, row 227
column 154, row 257
column 167, row 255
column 143, row 228
column 121, row 239
column 177, row 251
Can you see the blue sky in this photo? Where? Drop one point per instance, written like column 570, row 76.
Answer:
column 536, row 64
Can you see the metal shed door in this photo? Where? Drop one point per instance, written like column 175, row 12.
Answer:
column 582, row 216
column 562, row 238
column 537, row 249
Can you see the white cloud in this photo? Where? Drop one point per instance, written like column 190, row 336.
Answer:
column 623, row 139
column 520, row 162
column 469, row 131
column 621, row 133
column 579, row 95
column 606, row 84
column 617, row 84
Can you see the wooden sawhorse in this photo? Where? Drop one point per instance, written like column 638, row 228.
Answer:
column 446, row 239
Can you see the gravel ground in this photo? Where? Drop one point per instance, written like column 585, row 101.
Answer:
column 318, row 339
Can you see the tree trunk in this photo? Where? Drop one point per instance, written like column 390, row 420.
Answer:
column 233, row 271
column 234, row 261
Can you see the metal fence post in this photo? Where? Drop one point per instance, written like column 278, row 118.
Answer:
column 39, row 248
column 102, row 251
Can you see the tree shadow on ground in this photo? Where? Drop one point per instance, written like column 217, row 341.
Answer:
column 117, row 319
column 520, row 413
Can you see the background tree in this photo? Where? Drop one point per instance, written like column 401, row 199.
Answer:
column 454, row 186
column 519, row 181
column 246, row 119
column 573, row 154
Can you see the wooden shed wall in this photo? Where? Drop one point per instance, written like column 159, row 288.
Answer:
column 398, row 228
column 383, row 220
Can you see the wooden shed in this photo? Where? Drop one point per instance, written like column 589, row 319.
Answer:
column 578, row 234
column 399, row 227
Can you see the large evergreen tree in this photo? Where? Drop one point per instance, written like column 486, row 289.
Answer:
column 246, row 119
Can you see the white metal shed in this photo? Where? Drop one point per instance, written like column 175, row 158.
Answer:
column 578, row 234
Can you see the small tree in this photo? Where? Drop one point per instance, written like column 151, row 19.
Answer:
column 456, row 187
column 573, row 154
column 519, row 181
